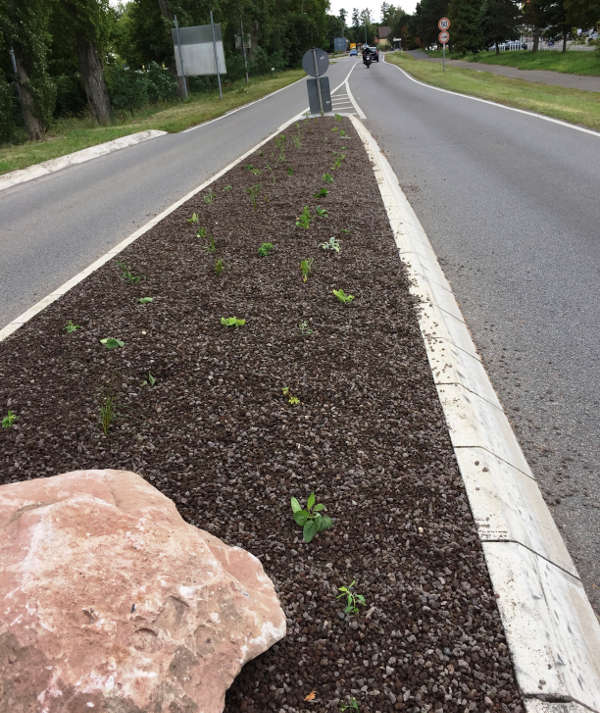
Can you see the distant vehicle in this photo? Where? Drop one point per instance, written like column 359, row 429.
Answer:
column 373, row 52
column 353, row 52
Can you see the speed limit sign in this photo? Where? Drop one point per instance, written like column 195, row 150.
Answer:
column 443, row 23
column 443, row 38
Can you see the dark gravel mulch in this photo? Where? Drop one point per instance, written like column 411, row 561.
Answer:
column 217, row 435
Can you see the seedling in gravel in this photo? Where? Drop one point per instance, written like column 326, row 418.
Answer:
column 253, row 170
column 352, row 705
column 321, row 212
column 327, row 178
column 226, row 188
column 150, row 380
column 337, row 160
column 193, row 219
column 253, row 192
column 306, row 268
column 9, row 419
column 303, row 220
column 280, row 143
column 337, row 117
column 201, row 233
column 265, row 249
column 343, row 134
column 210, row 246
column 353, row 600
column 335, row 129
column 208, row 198
column 321, row 193
column 293, row 400
column 309, row 518
column 332, row 244
column 145, row 300
column 107, row 414
column 232, row 322
column 290, row 171
column 127, row 275
column 304, row 329
column 297, row 140
column 219, row 265
column 70, row 327
column 112, row 343
column 342, row 296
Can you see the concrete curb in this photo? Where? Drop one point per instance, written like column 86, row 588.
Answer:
column 551, row 628
column 57, row 164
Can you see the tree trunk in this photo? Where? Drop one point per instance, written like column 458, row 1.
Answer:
column 564, row 49
column 497, row 49
column 34, row 126
column 536, row 40
column 166, row 13
column 92, row 77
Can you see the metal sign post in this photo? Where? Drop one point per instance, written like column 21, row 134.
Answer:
column 214, row 39
column 443, row 37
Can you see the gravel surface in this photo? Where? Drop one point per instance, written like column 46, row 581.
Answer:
column 217, row 434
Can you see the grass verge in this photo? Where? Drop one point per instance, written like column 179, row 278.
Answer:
column 573, row 62
column 572, row 105
column 70, row 135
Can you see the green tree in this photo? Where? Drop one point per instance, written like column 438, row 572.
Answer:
column 498, row 21
column 424, row 25
column 24, row 29
column 582, row 13
column 465, row 32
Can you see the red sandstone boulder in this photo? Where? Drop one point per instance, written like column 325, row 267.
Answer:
column 111, row 603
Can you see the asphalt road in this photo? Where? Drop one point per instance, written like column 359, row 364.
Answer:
column 53, row 227
column 511, row 205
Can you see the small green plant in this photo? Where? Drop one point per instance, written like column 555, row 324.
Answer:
column 342, row 296
column 309, row 518
column 208, row 197
column 149, row 379
column 337, row 117
column 253, row 192
column 303, row 220
column 306, row 268
column 335, row 129
column 201, row 233
column 290, row 171
column 232, row 322
column 327, row 178
column 193, row 219
column 332, row 244
column 127, row 275
column 337, row 160
column 321, row 212
column 145, row 300
column 253, row 170
column 226, row 188
column 265, row 249
column 321, row 193
column 297, row 140
column 352, row 705
column 219, row 265
column 353, row 600
column 343, row 134
column 107, row 413
column 210, row 246
column 70, row 327
column 304, row 329
column 9, row 420
column 112, row 343
column 293, row 400
column 280, row 143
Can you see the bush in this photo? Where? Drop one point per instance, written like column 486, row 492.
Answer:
column 7, row 109
column 70, row 97
column 132, row 89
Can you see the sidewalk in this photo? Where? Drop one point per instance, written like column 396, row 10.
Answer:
column 541, row 76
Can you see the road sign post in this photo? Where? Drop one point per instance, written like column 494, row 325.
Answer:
column 443, row 37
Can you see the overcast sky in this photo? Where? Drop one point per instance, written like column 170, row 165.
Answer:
column 373, row 5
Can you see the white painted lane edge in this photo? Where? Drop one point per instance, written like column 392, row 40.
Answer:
column 551, row 629
column 583, row 130
column 22, row 175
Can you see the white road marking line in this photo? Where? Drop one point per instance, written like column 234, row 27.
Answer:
column 582, row 129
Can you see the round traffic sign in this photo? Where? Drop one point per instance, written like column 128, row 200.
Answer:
column 315, row 62
column 444, row 23
column 443, row 38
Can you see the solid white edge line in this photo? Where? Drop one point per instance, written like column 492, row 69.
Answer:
column 14, row 324
column 533, row 114
column 359, row 111
column 551, row 629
